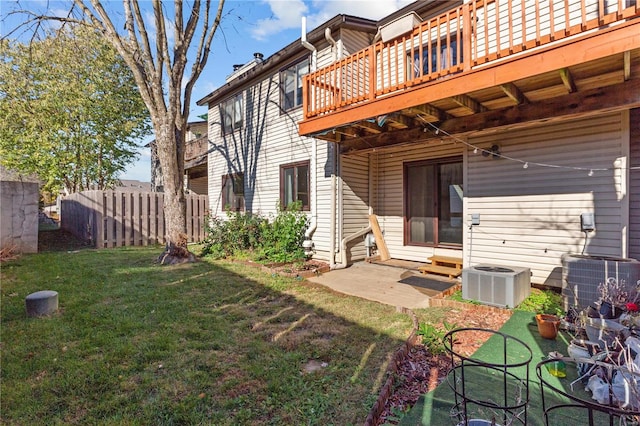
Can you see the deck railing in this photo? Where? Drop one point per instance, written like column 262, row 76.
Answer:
column 462, row 38
column 196, row 148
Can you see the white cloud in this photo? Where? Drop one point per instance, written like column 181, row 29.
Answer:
column 287, row 14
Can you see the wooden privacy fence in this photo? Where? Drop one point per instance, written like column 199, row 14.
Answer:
column 116, row 219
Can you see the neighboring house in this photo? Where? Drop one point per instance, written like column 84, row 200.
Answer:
column 128, row 185
column 524, row 118
column 195, row 161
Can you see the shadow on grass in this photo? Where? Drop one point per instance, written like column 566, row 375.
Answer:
column 203, row 343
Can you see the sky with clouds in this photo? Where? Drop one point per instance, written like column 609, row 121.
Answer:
column 248, row 26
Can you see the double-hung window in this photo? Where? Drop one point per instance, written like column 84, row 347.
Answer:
column 231, row 114
column 294, row 184
column 291, row 84
column 433, row 202
column 233, row 192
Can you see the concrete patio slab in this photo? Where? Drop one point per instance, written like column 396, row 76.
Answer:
column 382, row 283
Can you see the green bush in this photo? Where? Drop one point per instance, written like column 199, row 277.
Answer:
column 543, row 302
column 240, row 232
column 282, row 236
column 433, row 337
column 276, row 239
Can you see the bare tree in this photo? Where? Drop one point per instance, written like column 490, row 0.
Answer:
column 159, row 63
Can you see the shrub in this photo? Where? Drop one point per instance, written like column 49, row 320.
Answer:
column 240, row 232
column 277, row 239
column 283, row 235
column 543, row 302
column 433, row 337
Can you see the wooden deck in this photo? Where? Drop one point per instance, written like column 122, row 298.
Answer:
column 568, row 50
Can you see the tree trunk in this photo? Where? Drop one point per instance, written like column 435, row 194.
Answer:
column 170, row 146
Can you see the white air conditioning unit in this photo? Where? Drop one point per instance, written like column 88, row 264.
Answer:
column 400, row 26
column 581, row 275
column 496, row 285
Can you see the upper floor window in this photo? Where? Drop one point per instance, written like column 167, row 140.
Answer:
column 233, row 192
column 291, row 83
column 294, row 184
column 231, row 111
column 437, row 56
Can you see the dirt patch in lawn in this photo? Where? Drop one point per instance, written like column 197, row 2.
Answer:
column 60, row 240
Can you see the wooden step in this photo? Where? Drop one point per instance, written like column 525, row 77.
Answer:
column 448, row 261
column 441, row 270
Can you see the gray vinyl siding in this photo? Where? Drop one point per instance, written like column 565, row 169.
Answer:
column 354, row 41
column 634, row 184
column 530, row 217
column 355, row 202
column 269, row 139
column 389, row 198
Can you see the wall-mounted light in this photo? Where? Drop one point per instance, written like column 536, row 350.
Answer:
column 493, row 151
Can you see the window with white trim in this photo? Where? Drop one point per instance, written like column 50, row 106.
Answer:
column 231, row 114
column 291, row 84
column 294, row 184
column 233, row 192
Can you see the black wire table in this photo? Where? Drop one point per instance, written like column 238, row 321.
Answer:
column 489, row 391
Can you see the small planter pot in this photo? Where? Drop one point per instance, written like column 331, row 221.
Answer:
column 606, row 310
column 548, row 325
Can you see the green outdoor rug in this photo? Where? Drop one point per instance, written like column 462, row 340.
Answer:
column 435, row 408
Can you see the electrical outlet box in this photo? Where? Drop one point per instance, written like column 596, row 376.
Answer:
column 475, row 218
column 587, row 222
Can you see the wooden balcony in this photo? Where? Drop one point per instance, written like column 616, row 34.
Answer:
column 481, row 59
column 195, row 157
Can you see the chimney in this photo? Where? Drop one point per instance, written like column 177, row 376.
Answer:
column 258, row 56
column 236, row 67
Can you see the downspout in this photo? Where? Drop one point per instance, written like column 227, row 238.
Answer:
column 337, row 54
column 314, row 152
column 343, row 247
column 314, row 188
column 305, row 43
column 314, row 144
column 332, row 221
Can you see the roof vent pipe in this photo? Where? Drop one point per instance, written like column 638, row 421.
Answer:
column 305, row 43
column 258, row 56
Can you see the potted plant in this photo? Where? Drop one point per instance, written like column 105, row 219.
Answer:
column 548, row 325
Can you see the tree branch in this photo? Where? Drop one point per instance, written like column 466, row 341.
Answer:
column 202, row 52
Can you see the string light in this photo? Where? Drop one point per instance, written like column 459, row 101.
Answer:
column 454, row 139
column 591, row 171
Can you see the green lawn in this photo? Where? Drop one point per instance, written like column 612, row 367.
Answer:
column 205, row 343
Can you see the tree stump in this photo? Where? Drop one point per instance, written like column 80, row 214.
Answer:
column 176, row 252
column 41, row 303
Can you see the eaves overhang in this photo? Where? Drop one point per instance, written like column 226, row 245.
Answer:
column 291, row 51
